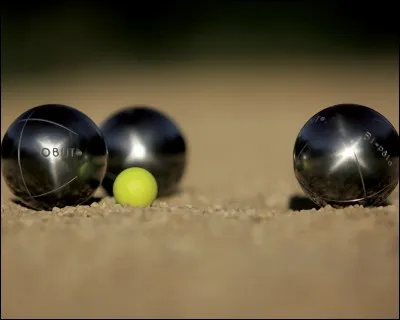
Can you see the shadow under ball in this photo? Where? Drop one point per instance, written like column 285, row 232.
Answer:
column 141, row 136
column 347, row 154
column 53, row 156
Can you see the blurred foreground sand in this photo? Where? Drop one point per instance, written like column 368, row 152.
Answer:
column 227, row 245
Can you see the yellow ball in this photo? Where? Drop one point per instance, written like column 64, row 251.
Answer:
column 135, row 187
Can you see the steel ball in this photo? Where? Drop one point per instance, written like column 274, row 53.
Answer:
column 347, row 154
column 142, row 136
column 53, row 156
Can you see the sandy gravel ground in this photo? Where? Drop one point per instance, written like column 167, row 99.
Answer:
column 228, row 245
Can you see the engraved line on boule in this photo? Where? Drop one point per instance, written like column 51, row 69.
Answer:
column 383, row 189
column 48, row 121
column 19, row 152
column 360, row 173
column 54, row 190
column 353, row 200
column 302, row 149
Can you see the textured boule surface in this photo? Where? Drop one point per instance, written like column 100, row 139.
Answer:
column 228, row 244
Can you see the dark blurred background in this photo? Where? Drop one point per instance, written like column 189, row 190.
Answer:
column 42, row 37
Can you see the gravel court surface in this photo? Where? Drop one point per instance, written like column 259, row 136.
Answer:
column 227, row 245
